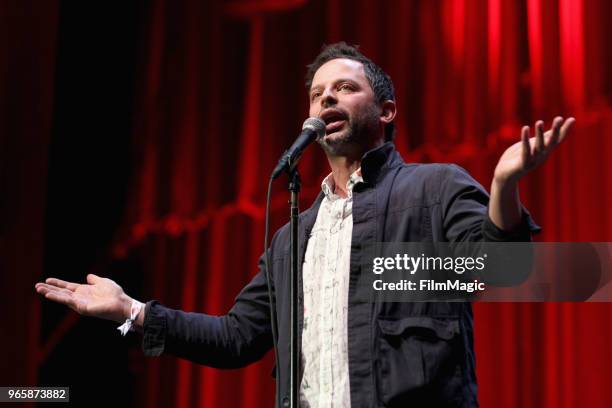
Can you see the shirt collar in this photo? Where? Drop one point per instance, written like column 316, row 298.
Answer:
column 328, row 185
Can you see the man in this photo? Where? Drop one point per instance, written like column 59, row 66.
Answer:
column 353, row 353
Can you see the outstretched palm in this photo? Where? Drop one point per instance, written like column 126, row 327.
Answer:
column 101, row 297
column 529, row 153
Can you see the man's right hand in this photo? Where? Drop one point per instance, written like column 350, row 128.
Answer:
column 101, row 297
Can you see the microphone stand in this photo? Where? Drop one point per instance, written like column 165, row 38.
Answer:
column 311, row 129
column 294, row 348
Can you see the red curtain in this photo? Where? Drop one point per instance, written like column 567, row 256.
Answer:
column 27, row 61
column 220, row 95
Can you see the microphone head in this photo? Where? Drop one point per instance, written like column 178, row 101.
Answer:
column 315, row 124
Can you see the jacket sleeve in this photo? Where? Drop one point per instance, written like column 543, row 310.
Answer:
column 465, row 211
column 231, row 341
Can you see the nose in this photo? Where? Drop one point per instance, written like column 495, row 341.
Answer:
column 328, row 98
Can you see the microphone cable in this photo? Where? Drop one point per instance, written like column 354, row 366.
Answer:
column 271, row 299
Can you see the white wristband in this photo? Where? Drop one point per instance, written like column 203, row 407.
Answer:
column 134, row 311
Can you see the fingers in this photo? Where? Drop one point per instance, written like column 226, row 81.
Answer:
column 56, row 294
column 555, row 130
column 62, row 299
column 526, row 150
column 565, row 129
column 539, row 138
column 62, row 284
column 44, row 288
column 544, row 142
column 93, row 279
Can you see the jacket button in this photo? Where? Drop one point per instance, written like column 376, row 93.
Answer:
column 286, row 402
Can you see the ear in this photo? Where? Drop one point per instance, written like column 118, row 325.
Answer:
column 388, row 112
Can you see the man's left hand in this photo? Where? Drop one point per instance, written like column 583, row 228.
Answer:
column 518, row 160
column 530, row 152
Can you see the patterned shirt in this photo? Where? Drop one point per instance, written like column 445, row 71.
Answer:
column 325, row 382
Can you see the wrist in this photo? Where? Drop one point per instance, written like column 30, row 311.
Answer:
column 134, row 310
column 504, row 183
column 125, row 308
column 505, row 205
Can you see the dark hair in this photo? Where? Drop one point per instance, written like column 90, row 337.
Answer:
column 379, row 80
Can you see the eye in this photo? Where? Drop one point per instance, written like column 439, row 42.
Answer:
column 315, row 95
column 345, row 87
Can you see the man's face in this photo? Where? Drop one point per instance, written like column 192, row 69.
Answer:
column 342, row 96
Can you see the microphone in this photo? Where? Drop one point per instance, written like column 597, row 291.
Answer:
column 312, row 129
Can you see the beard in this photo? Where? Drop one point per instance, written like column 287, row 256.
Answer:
column 358, row 133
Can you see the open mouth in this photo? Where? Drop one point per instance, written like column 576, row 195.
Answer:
column 334, row 120
column 334, row 126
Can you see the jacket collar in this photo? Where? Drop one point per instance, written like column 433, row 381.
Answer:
column 374, row 165
column 378, row 161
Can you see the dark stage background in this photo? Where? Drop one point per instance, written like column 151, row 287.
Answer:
column 136, row 139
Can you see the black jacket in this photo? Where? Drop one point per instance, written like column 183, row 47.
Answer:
column 400, row 354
